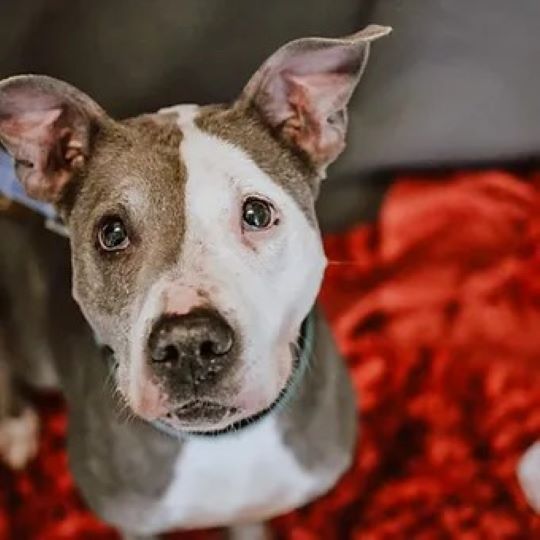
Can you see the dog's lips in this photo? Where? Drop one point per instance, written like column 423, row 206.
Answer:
column 198, row 409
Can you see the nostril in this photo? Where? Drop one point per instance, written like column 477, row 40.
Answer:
column 212, row 348
column 207, row 350
column 166, row 355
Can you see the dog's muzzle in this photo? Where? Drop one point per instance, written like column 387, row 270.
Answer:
column 301, row 351
column 212, row 343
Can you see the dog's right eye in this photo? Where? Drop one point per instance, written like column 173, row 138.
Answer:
column 257, row 214
column 112, row 234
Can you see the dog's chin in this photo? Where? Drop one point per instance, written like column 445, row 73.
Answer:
column 204, row 416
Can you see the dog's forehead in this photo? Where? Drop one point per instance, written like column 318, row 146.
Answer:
column 138, row 153
column 244, row 129
column 145, row 154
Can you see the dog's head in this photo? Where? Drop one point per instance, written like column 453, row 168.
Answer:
column 195, row 248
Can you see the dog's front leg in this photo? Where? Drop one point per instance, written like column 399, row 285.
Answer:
column 19, row 424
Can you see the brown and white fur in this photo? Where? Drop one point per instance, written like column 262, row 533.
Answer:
column 187, row 273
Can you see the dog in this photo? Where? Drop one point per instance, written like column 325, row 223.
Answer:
column 203, row 386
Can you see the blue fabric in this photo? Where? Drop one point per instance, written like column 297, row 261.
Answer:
column 11, row 188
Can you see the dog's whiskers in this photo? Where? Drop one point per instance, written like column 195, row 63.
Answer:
column 345, row 263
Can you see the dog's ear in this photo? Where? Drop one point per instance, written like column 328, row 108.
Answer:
column 46, row 125
column 303, row 89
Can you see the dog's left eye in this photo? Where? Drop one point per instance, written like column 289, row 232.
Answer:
column 112, row 234
column 257, row 214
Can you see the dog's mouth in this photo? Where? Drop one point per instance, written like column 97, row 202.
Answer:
column 198, row 416
column 198, row 409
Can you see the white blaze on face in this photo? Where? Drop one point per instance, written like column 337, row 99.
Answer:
column 263, row 283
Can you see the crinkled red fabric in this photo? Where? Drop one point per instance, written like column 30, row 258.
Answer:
column 436, row 308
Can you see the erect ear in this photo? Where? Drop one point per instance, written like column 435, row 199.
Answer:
column 303, row 89
column 46, row 125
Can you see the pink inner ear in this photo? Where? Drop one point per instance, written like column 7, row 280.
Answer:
column 327, row 77
column 29, row 126
column 308, row 97
column 327, row 93
column 337, row 59
column 313, row 101
column 44, row 125
column 31, row 137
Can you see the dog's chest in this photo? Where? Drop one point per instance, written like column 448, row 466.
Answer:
column 247, row 476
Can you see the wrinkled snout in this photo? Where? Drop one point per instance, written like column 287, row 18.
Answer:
column 191, row 350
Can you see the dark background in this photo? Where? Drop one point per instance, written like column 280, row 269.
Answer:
column 456, row 84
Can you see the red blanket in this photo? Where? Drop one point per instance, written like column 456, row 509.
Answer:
column 437, row 309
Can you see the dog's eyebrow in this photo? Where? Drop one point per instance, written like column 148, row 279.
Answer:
column 133, row 194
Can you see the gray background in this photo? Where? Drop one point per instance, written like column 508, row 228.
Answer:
column 457, row 83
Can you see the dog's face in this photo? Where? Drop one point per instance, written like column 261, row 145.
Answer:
column 196, row 253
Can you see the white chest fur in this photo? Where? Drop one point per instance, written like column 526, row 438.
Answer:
column 248, row 476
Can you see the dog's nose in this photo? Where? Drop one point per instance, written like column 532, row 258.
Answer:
column 193, row 346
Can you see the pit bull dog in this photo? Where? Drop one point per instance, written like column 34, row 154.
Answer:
column 208, row 391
